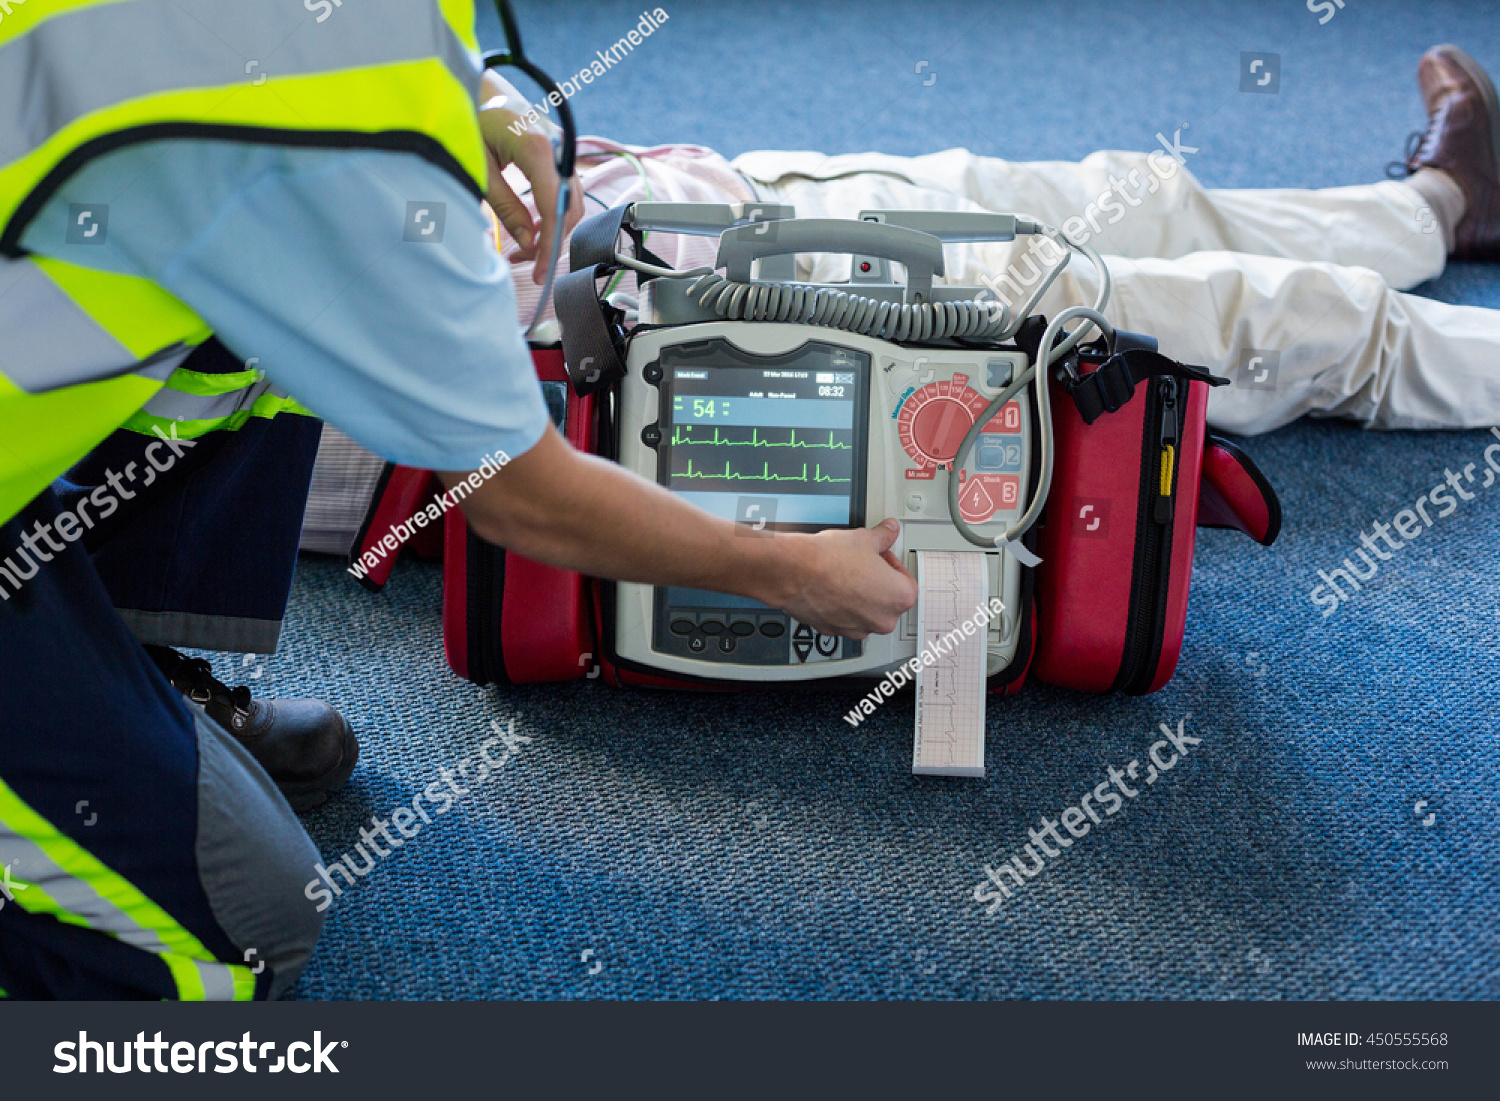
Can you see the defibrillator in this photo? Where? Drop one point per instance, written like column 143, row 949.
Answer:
column 1048, row 474
column 790, row 407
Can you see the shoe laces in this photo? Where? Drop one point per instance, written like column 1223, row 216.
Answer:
column 194, row 677
column 1421, row 145
column 1400, row 170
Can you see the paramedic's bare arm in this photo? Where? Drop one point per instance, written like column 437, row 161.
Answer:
column 584, row 513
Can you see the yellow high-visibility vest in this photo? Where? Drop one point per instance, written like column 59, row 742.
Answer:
column 82, row 351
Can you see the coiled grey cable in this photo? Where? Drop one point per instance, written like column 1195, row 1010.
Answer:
column 1068, row 246
column 832, row 308
column 1036, row 296
column 1037, row 374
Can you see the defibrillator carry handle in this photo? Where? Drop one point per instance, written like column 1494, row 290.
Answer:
column 920, row 253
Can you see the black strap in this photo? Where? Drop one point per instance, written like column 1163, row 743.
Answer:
column 1029, row 336
column 592, row 341
column 593, row 241
column 1112, row 385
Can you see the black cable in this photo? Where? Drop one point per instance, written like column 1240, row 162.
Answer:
column 515, row 57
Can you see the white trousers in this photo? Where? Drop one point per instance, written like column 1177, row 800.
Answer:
column 1295, row 295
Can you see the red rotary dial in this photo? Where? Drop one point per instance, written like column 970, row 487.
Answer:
column 934, row 419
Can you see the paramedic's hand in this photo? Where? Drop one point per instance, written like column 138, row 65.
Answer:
column 582, row 513
column 849, row 583
column 531, row 152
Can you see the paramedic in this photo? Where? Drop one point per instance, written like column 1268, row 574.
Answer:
column 223, row 225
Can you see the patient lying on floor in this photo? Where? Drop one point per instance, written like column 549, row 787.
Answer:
column 1299, row 296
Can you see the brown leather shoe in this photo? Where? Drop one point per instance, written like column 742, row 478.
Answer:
column 1463, row 139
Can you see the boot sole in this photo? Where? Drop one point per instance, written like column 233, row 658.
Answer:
column 305, row 795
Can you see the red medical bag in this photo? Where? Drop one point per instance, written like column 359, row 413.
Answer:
column 1129, row 491
column 506, row 618
column 1104, row 611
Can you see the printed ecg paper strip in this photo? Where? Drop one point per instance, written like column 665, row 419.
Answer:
column 950, row 691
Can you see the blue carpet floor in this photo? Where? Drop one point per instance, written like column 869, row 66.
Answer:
column 1332, row 836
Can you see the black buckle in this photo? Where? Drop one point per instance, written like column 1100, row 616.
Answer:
column 1113, row 385
column 1104, row 390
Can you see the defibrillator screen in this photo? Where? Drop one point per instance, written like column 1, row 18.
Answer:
column 773, row 443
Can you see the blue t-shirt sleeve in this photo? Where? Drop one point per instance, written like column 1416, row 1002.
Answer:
column 361, row 282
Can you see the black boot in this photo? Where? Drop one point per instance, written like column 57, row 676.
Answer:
column 305, row 746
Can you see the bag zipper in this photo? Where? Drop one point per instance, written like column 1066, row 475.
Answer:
column 1167, row 456
column 1153, row 541
column 486, row 570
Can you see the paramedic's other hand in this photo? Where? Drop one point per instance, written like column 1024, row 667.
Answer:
column 582, row 513
column 531, row 152
column 851, row 584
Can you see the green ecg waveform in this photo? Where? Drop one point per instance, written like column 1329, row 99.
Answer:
column 765, row 475
column 683, row 435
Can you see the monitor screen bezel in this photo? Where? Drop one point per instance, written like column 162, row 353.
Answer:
column 718, row 347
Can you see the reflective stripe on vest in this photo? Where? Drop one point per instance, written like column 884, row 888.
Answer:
column 393, row 74
column 50, row 873
column 193, row 403
column 156, row 46
column 79, row 78
column 51, row 341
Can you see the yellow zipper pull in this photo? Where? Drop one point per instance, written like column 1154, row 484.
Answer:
column 1168, row 460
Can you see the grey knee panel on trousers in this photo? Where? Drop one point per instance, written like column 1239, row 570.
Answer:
column 253, row 859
